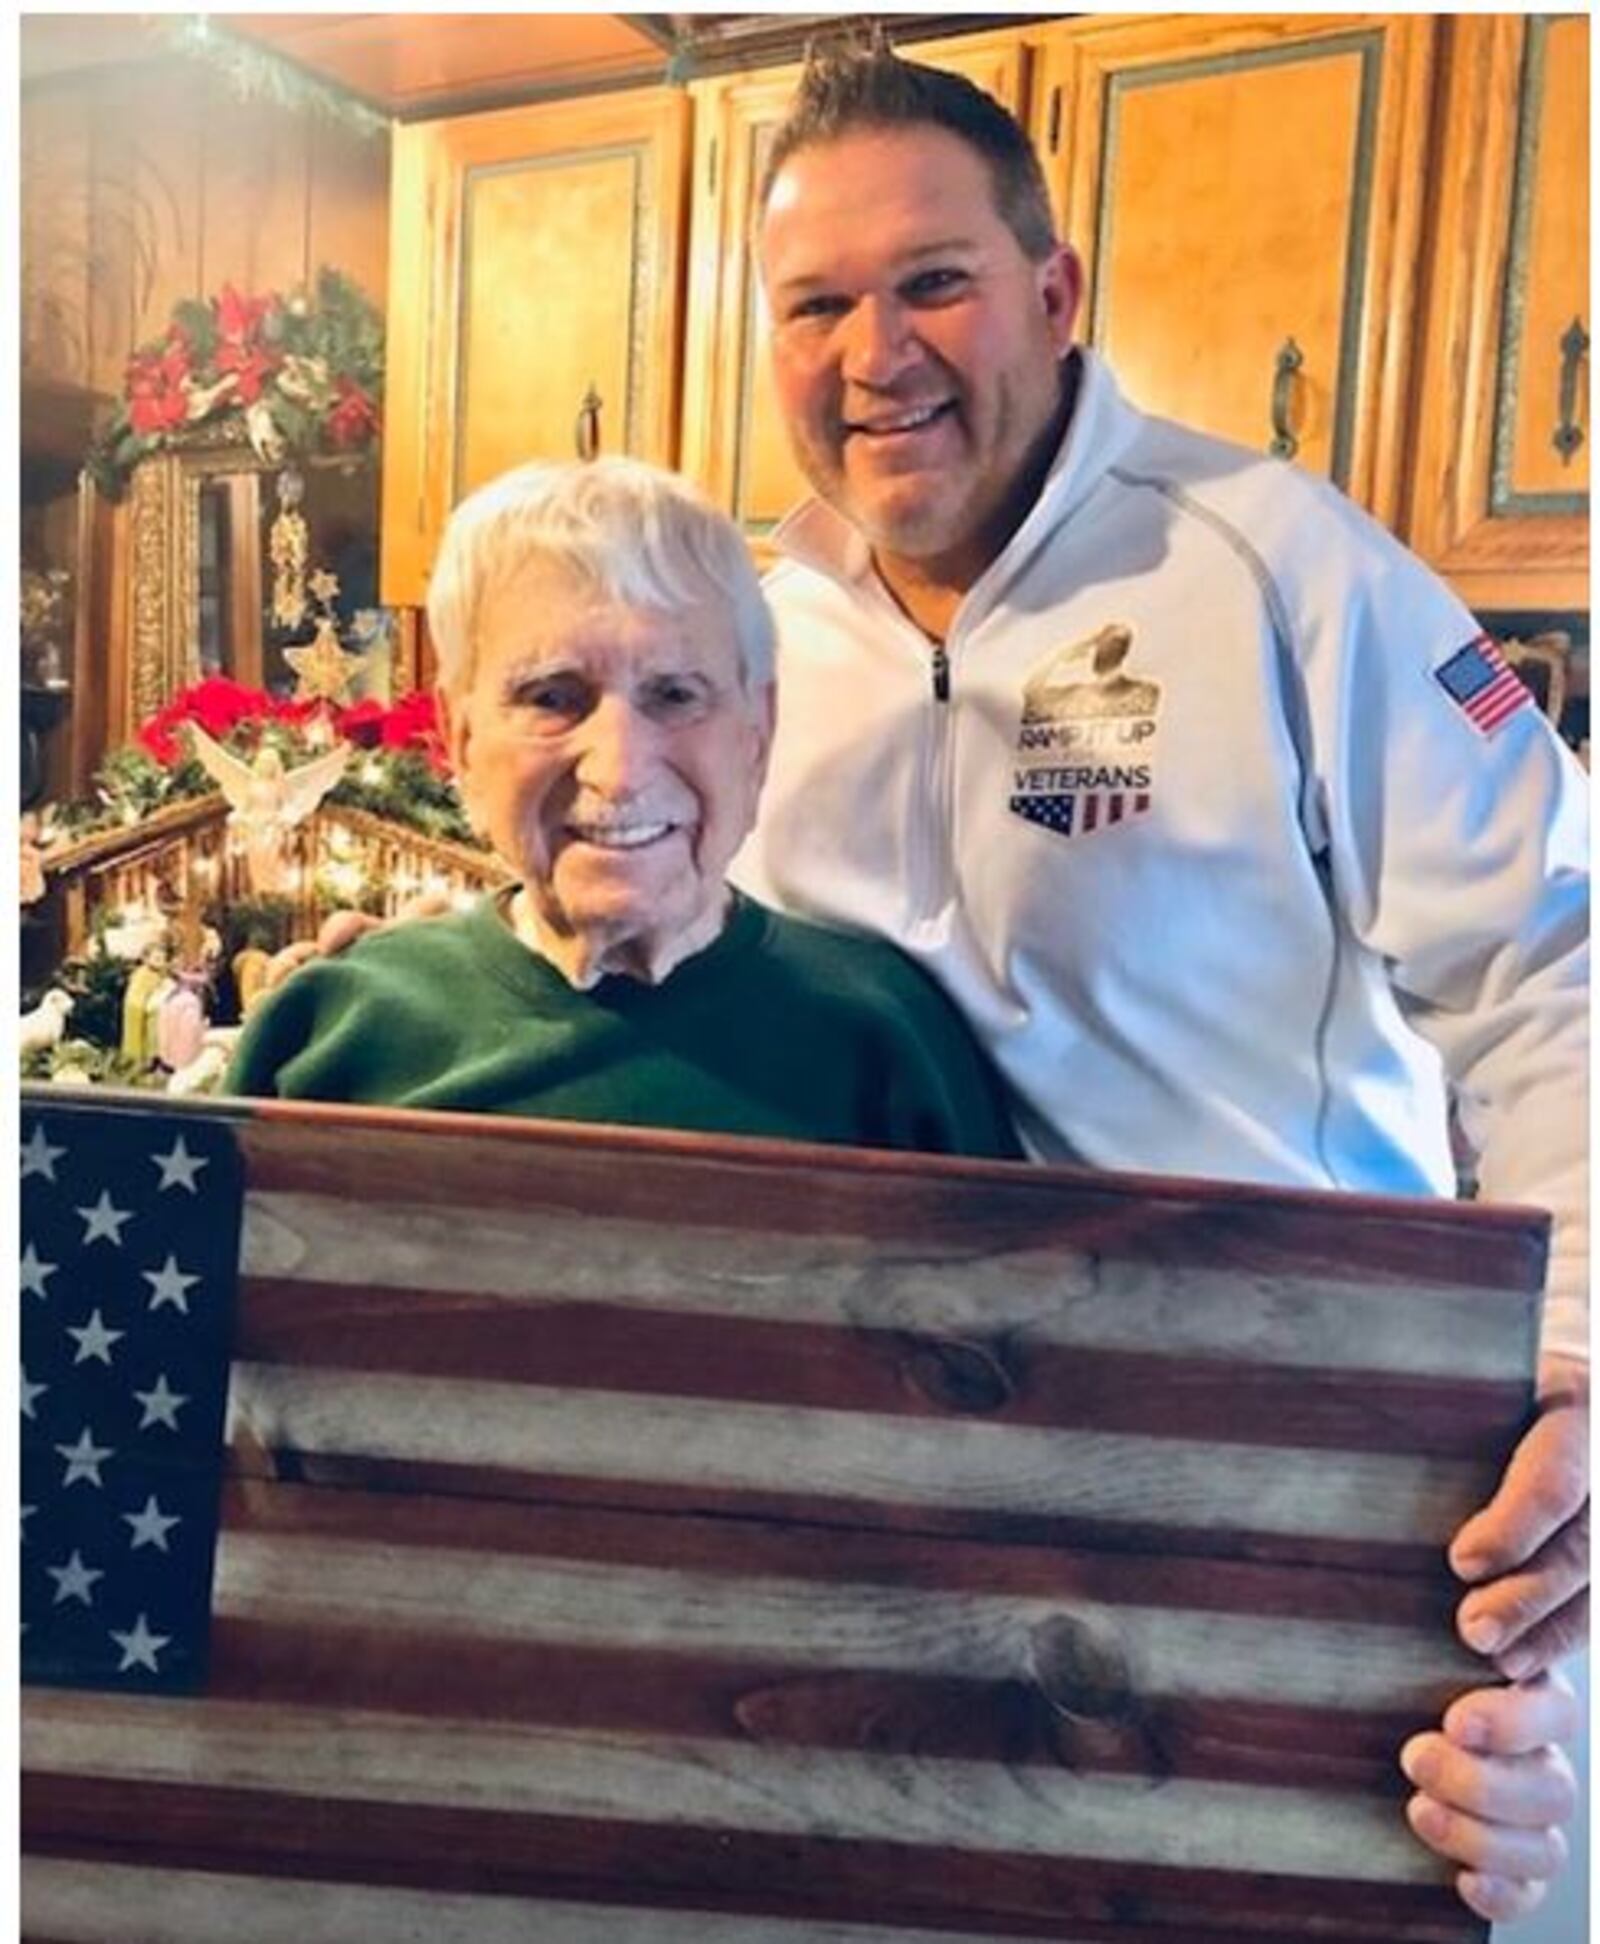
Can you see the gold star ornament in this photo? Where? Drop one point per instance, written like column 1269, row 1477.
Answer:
column 323, row 670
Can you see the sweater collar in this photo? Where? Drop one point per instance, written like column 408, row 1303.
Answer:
column 506, row 945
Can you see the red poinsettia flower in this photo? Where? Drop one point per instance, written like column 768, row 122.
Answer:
column 251, row 367
column 219, row 704
column 154, row 407
column 294, row 712
column 156, row 383
column 414, row 718
column 158, row 738
column 353, row 416
column 413, row 723
column 362, row 723
column 241, row 349
column 156, row 397
column 239, row 319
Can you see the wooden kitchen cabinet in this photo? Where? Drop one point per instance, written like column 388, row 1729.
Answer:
column 1359, row 240
column 1246, row 192
column 535, row 301
column 734, row 443
column 1499, row 493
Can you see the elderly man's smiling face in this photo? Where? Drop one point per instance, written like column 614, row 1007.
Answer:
column 613, row 756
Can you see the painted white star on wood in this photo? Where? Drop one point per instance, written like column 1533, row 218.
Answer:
column 84, row 1459
column 75, row 1580
column 29, row 1393
column 94, row 1340
column 38, row 1156
column 24, row 1514
column 179, row 1167
column 103, row 1222
column 169, row 1284
column 161, row 1404
column 151, row 1526
column 34, row 1272
column 139, row 1646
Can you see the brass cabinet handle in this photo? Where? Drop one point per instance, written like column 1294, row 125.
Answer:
column 1289, row 360
column 586, row 433
column 1568, row 435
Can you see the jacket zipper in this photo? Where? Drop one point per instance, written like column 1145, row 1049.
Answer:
column 930, row 876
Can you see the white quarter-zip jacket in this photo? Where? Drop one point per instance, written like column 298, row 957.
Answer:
column 1213, row 827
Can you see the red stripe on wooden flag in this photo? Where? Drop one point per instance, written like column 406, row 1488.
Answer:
column 677, row 1867
column 1003, row 1378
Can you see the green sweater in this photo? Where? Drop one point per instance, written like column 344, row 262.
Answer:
column 778, row 1028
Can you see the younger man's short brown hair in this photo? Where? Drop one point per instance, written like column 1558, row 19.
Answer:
column 849, row 89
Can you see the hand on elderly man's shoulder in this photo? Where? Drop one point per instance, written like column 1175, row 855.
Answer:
column 340, row 930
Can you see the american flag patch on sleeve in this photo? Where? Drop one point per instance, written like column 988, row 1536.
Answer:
column 1483, row 684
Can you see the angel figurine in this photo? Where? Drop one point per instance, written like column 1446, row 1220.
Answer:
column 31, row 884
column 266, row 801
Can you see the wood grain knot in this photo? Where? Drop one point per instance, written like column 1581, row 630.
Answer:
column 959, row 1376
column 1081, row 1673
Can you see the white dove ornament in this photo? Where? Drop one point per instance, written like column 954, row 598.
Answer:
column 45, row 1024
column 266, row 801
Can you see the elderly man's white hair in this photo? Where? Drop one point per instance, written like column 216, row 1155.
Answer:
column 633, row 532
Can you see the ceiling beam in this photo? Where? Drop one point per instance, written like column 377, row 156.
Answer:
column 715, row 43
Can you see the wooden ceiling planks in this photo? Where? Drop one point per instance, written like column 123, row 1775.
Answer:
column 417, row 64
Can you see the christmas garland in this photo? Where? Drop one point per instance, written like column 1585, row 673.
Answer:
column 255, row 73
column 300, row 375
column 403, row 776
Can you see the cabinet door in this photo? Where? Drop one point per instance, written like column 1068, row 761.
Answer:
column 734, row 442
column 1246, row 193
column 1500, row 491
column 534, row 301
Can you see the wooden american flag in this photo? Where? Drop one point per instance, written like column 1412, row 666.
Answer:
column 652, row 1537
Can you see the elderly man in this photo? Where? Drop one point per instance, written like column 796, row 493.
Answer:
column 605, row 661
column 1204, row 800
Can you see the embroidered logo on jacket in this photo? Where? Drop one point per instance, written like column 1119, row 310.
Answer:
column 1086, row 740
column 1482, row 684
